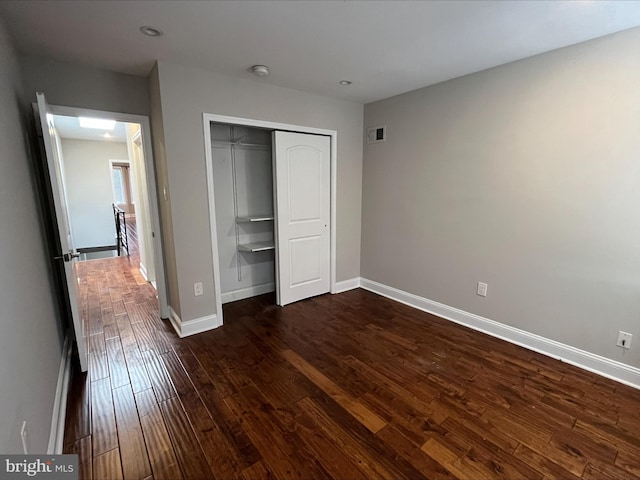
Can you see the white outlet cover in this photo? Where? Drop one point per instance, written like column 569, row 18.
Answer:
column 624, row 340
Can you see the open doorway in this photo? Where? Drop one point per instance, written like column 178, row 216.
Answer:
column 110, row 187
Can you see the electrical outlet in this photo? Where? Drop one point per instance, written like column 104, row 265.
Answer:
column 482, row 289
column 197, row 289
column 624, row 340
column 25, row 439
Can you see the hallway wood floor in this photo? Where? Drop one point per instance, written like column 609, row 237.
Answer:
column 349, row 386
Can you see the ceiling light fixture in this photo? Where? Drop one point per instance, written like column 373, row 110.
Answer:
column 107, row 135
column 150, row 31
column 260, row 70
column 99, row 123
column 344, row 82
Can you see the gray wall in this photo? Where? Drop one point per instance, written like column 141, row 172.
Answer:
column 525, row 176
column 90, row 189
column 31, row 340
column 187, row 93
column 164, row 195
column 80, row 86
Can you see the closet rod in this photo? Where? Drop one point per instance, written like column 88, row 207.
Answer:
column 239, row 144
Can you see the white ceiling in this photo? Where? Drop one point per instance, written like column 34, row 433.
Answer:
column 69, row 127
column 383, row 47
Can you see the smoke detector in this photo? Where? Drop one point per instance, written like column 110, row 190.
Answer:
column 260, row 70
column 151, row 31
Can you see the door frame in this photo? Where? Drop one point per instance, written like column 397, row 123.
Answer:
column 152, row 191
column 207, row 118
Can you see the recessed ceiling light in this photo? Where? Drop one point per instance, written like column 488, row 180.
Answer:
column 99, row 123
column 260, row 70
column 151, row 31
column 344, row 82
column 107, row 135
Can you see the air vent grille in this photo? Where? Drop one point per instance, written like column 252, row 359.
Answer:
column 376, row 134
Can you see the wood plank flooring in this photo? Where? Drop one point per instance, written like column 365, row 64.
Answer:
column 348, row 386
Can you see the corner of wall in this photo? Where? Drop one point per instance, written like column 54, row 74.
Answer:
column 192, row 327
column 162, row 181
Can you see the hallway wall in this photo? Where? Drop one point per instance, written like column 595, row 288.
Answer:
column 90, row 189
column 80, row 86
column 32, row 337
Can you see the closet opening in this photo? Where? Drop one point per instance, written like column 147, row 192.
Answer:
column 272, row 209
column 243, row 186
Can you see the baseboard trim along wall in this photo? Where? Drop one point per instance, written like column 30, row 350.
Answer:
column 346, row 285
column 58, row 417
column 143, row 271
column 248, row 292
column 191, row 327
column 588, row 361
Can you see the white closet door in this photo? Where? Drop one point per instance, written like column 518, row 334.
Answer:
column 302, row 202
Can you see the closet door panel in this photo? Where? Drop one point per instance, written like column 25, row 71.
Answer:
column 304, row 174
column 302, row 198
column 305, row 260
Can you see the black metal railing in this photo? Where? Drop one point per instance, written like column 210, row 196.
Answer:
column 122, row 240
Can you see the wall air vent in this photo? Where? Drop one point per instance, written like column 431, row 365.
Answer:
column 376, row 134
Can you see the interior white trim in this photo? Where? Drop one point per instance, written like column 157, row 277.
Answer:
column 334, row 211
column 605, row 367
column 152, row 191
column 58, row 417
column 143, row 271
column 191, row 327
column 346, row 285
column 248, row 292
column 207, row 118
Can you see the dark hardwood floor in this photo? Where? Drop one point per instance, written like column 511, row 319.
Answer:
column 348, row 386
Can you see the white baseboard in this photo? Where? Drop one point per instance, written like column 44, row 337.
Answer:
column 605, row 367
column 58, row 417
column 248, row 292
column 143, row 271
column 346, row 285
column 191, row 327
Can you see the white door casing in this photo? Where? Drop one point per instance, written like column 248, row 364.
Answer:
column 302, row 190
column 152, row 192
column 64, row 231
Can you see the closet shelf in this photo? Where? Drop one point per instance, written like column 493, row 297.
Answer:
column 255, row 218
column 256, row 247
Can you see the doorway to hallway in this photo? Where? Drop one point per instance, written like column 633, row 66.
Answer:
column 82, row 193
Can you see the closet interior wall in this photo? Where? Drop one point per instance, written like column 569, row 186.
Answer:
column 243, row 190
